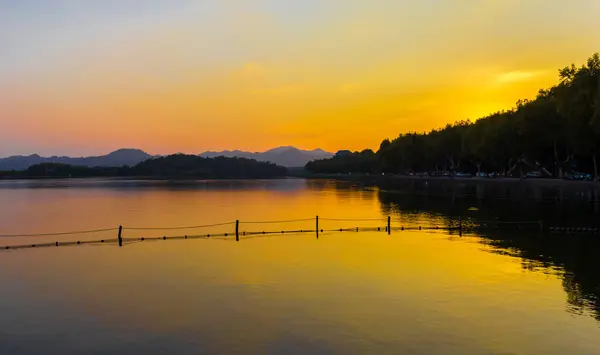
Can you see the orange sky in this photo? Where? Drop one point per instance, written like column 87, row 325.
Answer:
column 190, row 76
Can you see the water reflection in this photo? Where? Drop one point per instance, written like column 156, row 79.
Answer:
column 576, row 257
column 493, row 292
column 156, row 184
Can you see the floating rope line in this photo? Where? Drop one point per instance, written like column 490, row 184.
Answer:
column 59, row 244
column 179, row 228
column 221, row 236
column 282, row 232
column 197, row 236
column 467, row 224
column 283, row 221
column 56, row 234
column 352, row 219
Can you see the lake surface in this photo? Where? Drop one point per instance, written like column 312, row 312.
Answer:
column 496, row 290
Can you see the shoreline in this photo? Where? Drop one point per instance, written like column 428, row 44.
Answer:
column 551, row 183
column 141, row 178
column 436, row 179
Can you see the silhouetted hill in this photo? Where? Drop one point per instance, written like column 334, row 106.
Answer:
column 284, row 156
column 119, row 157
column 193, row 166
column 177, row 166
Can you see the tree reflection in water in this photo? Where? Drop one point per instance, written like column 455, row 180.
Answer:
column 575, row 257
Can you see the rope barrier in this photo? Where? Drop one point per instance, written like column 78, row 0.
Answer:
column 59, row 244
column 232, row 223
column 56, row 234
column 283, row 221
column 282, row 232
column 197, row 236
column 468, row 224
column 254, row 234
column 352, row 219
column 179, row 228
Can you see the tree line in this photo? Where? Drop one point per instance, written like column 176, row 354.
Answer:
column 172, row 166
column 557, row 132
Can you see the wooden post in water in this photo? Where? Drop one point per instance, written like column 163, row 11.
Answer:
column 237, row 230
column 389, row 228
column 460, row 226
column 317, row 227
column 120, row 236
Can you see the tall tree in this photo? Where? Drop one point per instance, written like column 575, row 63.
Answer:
column 558, row 130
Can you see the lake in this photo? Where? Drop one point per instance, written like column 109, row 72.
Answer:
column 497, row 289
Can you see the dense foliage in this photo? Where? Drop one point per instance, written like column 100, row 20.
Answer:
column 557, row 131
column 359, row 162
column 180, row 165
column 173, row 166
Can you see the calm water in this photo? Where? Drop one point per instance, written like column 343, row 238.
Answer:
column 496, row 292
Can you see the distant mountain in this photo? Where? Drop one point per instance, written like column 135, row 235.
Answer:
column 176, row 166
column 195, row 166
column 117, row 158
column 284, row 156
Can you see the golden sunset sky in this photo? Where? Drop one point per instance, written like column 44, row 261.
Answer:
column 83, row 77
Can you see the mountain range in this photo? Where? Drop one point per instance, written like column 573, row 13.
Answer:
column 117, row 158
column 284, row 156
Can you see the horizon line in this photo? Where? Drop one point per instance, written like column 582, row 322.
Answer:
column 165, row 154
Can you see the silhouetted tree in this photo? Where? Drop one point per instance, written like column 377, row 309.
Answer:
column 558, row 130
column 172, row 166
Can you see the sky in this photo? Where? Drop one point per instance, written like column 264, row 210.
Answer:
column 84, row 77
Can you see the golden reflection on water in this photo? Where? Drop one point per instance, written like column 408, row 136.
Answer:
column 411, row 292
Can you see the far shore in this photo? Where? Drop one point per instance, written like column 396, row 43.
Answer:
column 141, row 178
column 546, row 182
